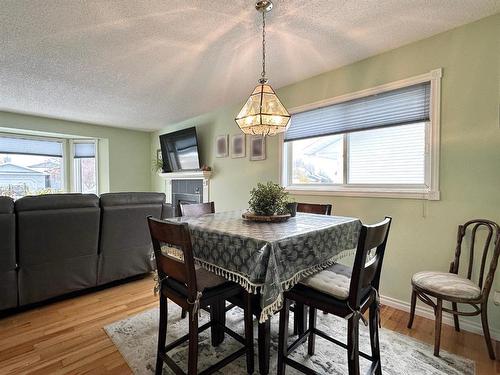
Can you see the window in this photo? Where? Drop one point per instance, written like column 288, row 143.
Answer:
column 379, row 142
column 85, row 167
column 30, row 166
column 38, row 165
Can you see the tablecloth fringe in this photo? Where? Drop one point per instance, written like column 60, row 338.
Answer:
column 231, row 276
column 269, row 310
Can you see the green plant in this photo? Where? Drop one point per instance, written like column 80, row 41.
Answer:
column 157, row 165
column 268, row 199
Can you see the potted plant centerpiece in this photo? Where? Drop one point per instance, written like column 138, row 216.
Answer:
column 268, row 202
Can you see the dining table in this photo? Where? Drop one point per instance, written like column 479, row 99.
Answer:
column 268, row 258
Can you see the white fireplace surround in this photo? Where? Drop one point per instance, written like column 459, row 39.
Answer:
column 187, row 175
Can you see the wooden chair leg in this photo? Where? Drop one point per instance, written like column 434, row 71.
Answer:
column 249, row 332
column 283, row 337
column 353, row 345
column 455, row 317
column 264, row 339
column 437, row 330
column 312, row 337
column 299, row 319
column 193, row 343
column 162, row 334
column 374, row 339
column 486, row 330
column 412, row 309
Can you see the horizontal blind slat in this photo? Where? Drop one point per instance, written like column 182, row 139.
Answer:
column 397, row 107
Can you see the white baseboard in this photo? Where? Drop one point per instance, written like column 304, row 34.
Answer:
column 427, row 312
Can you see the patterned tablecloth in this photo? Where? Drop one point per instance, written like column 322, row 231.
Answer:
column 270, row 257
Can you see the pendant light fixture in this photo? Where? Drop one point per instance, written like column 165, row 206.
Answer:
column 263, row 113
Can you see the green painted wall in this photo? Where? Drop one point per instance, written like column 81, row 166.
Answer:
column 125, row 154
column 423, row 232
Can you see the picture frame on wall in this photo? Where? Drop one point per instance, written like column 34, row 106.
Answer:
column 257, row 147
column 221, row 146
column 238, row 146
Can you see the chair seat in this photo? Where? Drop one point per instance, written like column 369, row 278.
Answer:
column 334, row 281
column 206, row 279
column 446, row 284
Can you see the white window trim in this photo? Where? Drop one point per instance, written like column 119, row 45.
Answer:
column 428, row 192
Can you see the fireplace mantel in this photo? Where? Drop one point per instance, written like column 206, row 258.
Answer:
column 187, row 175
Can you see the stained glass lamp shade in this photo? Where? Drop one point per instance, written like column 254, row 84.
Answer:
column 263, row 113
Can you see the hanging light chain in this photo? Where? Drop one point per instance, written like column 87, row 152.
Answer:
column 263, row 74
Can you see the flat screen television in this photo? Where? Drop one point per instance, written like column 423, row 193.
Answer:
column 180, row 150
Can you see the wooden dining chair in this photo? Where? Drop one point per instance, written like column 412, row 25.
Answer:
column 344, row 292
column 456, row 289
column 192, row 289
column 314, row 208
column 299, row 310
column 197, row 209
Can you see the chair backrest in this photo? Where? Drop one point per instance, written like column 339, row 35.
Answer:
column 366, row 273
column 197, row 209
column 314, row 208
column 492, row 234
column 164, row 235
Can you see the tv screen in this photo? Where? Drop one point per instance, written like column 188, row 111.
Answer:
column 180, row 150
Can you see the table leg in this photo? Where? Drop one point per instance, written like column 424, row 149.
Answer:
column 218, row 318
column 264, row 346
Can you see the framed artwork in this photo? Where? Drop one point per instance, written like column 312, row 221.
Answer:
column 257, row 147
column 238, row 146
column 221, row 146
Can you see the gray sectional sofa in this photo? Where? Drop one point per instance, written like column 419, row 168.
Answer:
column 55, row 244
column 8, row 272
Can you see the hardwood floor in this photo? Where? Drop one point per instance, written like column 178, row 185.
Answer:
column 66, row 337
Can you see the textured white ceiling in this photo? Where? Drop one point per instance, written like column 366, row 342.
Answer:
column 146, row 64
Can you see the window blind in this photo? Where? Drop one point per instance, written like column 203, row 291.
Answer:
column 14, row 145
column 397, row 107
column 394, row 155
column 84, row 150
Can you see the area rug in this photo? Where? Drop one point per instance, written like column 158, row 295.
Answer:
column 135, row 338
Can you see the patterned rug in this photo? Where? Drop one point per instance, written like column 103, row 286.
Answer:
column 135, row 338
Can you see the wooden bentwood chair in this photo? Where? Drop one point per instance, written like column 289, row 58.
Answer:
column 450, row 287
column 344, row 292
column 192, row 289
column 299, row 310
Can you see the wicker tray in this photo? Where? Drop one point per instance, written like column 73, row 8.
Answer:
column 265, row 219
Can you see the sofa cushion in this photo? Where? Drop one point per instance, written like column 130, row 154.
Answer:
column 125, row 247
column 57, row 244
column 56, row 202
column 124, row 199
column 6, row 205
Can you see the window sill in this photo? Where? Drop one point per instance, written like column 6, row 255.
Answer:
column 366, row 192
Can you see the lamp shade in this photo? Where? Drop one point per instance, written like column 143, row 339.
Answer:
column 263, row 113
